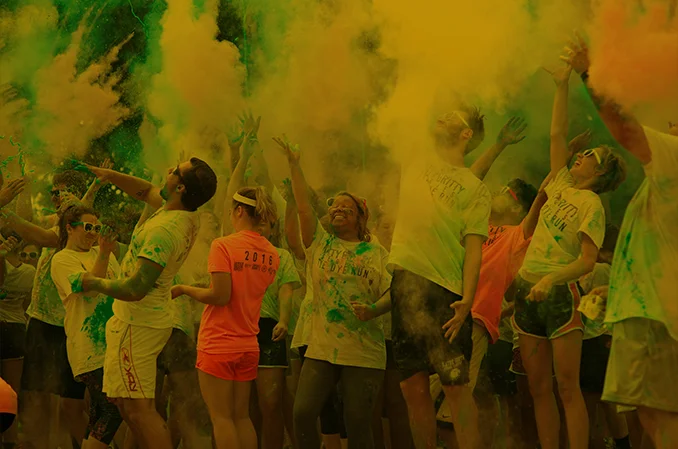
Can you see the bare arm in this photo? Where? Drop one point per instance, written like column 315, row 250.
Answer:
column 137, row 188
column 292, row 232
column 510, row 134
column 532, row 218
column 236, row 182
column 218, row 294
column 89, row 196
column 285, row 302
column 133, row 288
column 31, row 233
column 559, row 151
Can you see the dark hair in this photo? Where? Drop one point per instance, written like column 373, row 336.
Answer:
column 265, row 211
column 476, row 121
column 615, row 171
column 71, row 215
column 73, row 180
column 526, row 193
column 364, row 234
column 200, row 182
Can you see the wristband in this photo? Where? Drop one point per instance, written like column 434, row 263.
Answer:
column 584, row 76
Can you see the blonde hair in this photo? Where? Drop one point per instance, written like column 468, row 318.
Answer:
column 614, row 171
column 265, row 210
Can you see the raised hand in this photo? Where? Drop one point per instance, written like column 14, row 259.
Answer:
column 8, row 246
column 102, row 173
column 290, row 151
column 580, row 142
column 11, row 190
column 512, row 131
column 235, row 137
column 250, row 125
column 576, row 54
column 108, row 240
column 560, row 75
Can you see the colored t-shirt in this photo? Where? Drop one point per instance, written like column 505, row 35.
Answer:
column 16, row 289
column 342, row 272
column 302, row 331
column 182, row 310
column 440, row 204
column 86, row 313
column 8, row 398
column 165, row 238
column 286, row 274
column 298, row 295
column 252, row 262
column 644, row 268
column 503, row 255
column 46, row 305
column 599, row 277
column 567, row 214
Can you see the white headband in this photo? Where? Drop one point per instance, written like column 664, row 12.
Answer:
column 243, row 199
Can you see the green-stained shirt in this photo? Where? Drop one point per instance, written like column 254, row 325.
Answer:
column 45, row 303
column 286, row 274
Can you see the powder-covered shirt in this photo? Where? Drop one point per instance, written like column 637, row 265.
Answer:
column 302, row 331
column 567, row 214
column 252, row 263
column 182, row 310
column 645, row 264
column 342, row 272
column 503, row 255
column 86, row 313
column 165, row 238
column 297, row 296
column 286, row 274
column 599, row 277
column 440, row 204
column 46, row 305
column 15, row 290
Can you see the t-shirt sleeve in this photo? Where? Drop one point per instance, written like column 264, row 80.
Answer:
column 593, row 223
column 561, row 181
column 386, row 275
column 287, row 273
column 477, row 215
column 25, row 279
column 664, row 164
column 66, row 270
column 158, row 247
column 320, row 235
column 219, row 259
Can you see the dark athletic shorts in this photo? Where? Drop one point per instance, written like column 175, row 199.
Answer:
column 420, row 309
column 498, row 361
column 554, row 317
column 104, row 416
column 46, row 367
column 178, row 355
column 272, row 354
column 595, row 353
column 12, row 340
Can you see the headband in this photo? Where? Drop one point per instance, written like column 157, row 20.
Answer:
column 243, row 199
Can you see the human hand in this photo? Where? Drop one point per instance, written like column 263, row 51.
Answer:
column 576, row 54
column 540, row 290
column 102, row 173
column 364, row 312
column 85, row 283
column 580, row 142
column 11, row 190
column 235, row 137
column 177, row 290
column 461, row 311
column 280, row 331
column 250, row 125
column 510, row 134
column 290, row 151
column 561, row 75
column 108, row 240
column 8, row 246
column 601, row 291
column 286, row 190
column 67, row 200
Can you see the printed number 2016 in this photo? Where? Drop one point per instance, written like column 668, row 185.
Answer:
column 255, row 257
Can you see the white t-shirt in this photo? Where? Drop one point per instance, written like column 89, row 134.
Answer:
column 86, row 314
column 599, row 277
column 439, row 205
column 567, row 214
column 645, row 264
column 45, row 303
column 181, row 309
column 342, row 272
column 165, row 238
column 17, row 288
column 286, row 274
column 302, row 330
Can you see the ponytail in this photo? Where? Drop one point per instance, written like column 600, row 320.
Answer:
column 257, row 203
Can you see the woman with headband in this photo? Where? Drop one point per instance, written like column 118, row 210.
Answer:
column 345, row 267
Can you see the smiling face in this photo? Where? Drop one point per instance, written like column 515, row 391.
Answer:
column 29, row 255
column 343, row 214
column 588, row 164
column 84, row 233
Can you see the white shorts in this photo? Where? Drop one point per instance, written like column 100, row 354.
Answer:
column 130, row 366
column 480, row 342
column 643, row 364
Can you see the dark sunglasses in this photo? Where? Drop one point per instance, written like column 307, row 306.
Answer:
column 31, row 255
column 89, row 227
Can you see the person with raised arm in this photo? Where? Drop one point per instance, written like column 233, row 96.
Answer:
column 641, row 305
column 142, row 321
column 564, row 247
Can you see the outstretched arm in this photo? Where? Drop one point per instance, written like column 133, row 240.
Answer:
column 510, row 134
column 45, row 238
column 135, row 187
column 133, row 288
column 292, row 233
column 217, row 294
column 559, row 150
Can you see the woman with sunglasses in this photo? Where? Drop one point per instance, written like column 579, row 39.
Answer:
column 87, row 313
column 344, row 267
column 564, row 247
column 30, row 255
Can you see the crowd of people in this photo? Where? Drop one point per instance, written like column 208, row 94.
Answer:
column 518, row 319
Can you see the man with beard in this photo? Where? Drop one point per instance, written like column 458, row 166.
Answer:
column 142, row 321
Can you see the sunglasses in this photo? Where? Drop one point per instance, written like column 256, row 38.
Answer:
column 89, row 227
column 461, row 117
column 592, row 152
column 31, row 255
column 507, row 189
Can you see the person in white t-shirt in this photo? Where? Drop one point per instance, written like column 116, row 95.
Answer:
column 641, row 300
column 345, row 266
column 564, row 247
column 87, row 314
column 142, row 321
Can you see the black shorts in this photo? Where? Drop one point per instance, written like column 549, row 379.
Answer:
column 498, row 361
column 420, row 309
column 551, row 318
column 272, row 354
column 595, row 353
column 178, row 355
column 12, row 340
column 104, row 416
column 46, row 367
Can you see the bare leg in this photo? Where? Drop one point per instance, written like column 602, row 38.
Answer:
column 36, row 411
column 73, row 417
column 270, row 388
column 219, row 396
column 464, row 415
column 247, row 437
column 396, row 409
column 288, row 399
column 185, row 404
column 150, row 430
column 421, row 410
column 661, row 426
